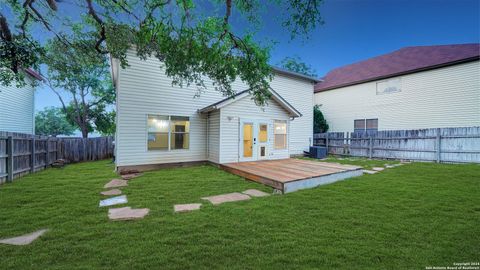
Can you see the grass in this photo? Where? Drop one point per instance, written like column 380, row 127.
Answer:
column 409, row 217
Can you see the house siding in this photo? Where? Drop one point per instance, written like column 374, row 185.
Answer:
column 17, row 108
column 245, row 108
column 144, row 89
column 299, row 93
column 444, row 97
column 213, row 134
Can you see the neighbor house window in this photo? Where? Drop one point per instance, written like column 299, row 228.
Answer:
column 168, row 132
column 280, row 134
column 372, row 124
column 362, row 125
column 359, row 125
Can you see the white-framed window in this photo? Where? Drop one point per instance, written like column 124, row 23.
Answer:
column 389, row 86
column 168, row 132
column 280, row 134
column 362, row 125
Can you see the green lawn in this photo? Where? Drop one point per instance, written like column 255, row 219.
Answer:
column 409, row 217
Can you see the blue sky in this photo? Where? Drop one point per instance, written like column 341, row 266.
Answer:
column 358, row 29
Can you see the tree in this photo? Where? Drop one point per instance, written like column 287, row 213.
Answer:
column 52, row 122
column 84, row 76
column 320, row 125
column 295, row 64
column 193, row 39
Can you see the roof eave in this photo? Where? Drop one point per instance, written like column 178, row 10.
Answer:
column 466, row 60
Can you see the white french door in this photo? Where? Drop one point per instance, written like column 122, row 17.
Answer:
column 254, row 139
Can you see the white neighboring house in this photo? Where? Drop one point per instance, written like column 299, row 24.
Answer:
column 411, row 88
column 162, row 125
column 17, row 106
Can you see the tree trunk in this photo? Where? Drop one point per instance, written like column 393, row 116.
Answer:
column 84, row 130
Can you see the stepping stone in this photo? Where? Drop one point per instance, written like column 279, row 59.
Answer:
column 378, row 169
column 116, row 183
column 127, row 213
column 111, row 192
column 255, row 193
column 130, row 176
column 369, row 172
column 388, row 166
column 24, row 239
column 113, row 201
column 186, row 207
column 229, row 197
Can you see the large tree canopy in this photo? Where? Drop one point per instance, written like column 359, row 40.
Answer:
column 193, row 39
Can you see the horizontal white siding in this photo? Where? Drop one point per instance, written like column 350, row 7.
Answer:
column 214, row 136
column 444, row 97
column 17, row 109
column 143, row 89
column 299, row 93
column 245, row 108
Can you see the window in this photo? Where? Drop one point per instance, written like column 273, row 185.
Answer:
column 263, row 133
column 359, row 125
column 389, row 86
column 168, row 132
column 372, row 124
column 362, row 125
column 280, row 134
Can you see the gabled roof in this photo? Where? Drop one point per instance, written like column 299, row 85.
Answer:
column 245, row 93
column 404, row 61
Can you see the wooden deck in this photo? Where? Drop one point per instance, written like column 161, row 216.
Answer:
column 289, row 175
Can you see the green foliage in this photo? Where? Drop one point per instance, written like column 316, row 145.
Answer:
column 192, row 42
column 295, row 64
column 52, row 122
column 104, row 121
column 83, row 75
column 320, row 124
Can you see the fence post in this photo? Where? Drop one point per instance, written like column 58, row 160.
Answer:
column 10, row 159
column 438, row 145
column 47, row 148
column 32, row 155
column 370, row 147
column 326, row 141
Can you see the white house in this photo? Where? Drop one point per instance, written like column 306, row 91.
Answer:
column 411, row 88
column 162, row 125
column 17, row 106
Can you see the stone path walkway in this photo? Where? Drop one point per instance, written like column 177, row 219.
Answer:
column 23, row 239
column 127, row 213
column 229, row 197
column 123, row 213
column 375, row 170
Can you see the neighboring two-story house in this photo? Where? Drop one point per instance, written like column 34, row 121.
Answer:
column 411, row 88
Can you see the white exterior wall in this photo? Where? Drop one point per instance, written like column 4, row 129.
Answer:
column 17, row 108
column 213, row 134
column 444, row 97
column 142, row 89
column 299, row 94
column 245, row 108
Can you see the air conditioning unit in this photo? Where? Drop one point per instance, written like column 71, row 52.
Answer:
column 318, row 152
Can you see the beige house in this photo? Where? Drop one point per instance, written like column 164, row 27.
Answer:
column 412, row 88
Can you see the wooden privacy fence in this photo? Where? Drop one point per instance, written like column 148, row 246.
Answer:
column 459, row 145
column 22, row 154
